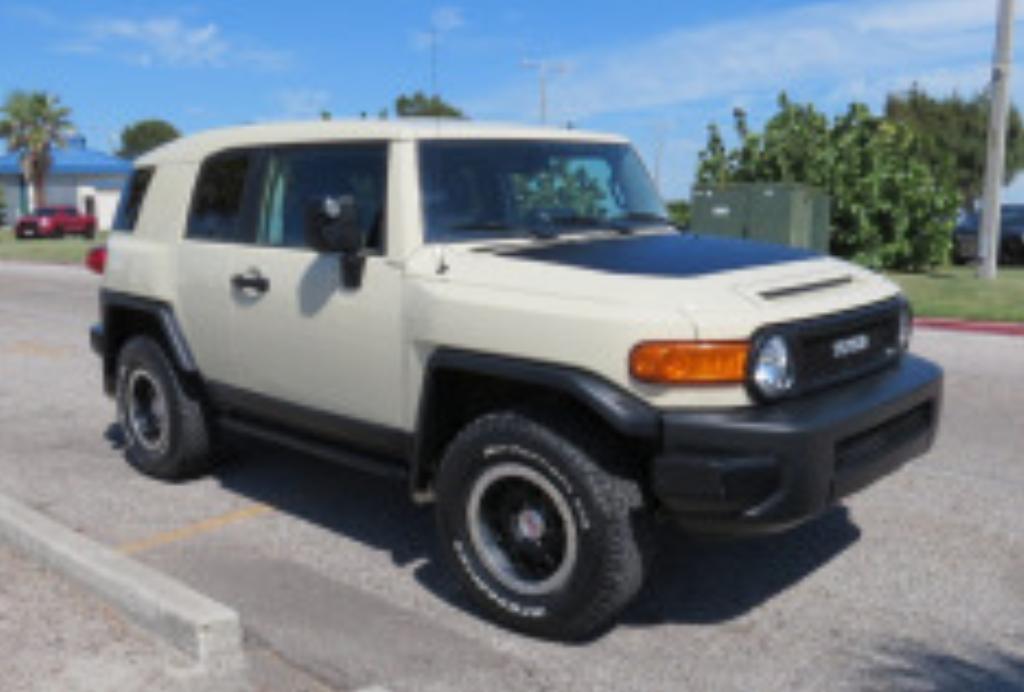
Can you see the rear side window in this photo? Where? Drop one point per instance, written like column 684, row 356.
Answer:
column 217, row 203
column 132, row 196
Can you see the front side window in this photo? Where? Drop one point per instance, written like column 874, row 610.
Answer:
column 217, row 202
column 299, row 178
column 505, row 188
column 132, row 196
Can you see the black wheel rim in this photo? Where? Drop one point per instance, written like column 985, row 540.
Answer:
column 522, row 529
column 147, row 414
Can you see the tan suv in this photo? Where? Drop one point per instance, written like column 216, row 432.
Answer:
column 505, row 317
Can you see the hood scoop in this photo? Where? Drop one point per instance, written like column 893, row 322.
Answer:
column 795, row 290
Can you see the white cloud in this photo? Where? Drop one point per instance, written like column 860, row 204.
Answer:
column 168, row 41
column 447, row 18
column 443, row 21
column 32, row 14
column 818, row 48
column 928, row 16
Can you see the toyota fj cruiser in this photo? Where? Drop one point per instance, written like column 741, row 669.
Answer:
column 504, row 317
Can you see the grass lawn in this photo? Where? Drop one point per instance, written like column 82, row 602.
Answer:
column 69, row 250
column 955, row 292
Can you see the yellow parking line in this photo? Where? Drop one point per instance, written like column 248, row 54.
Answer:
column 196, row 529
column 38, row 349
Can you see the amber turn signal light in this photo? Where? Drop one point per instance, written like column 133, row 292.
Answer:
column 689, row 362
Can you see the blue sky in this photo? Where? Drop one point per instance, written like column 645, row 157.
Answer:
column 658, row 72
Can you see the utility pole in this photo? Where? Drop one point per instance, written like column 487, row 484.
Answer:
column 544, row 67
column 433, row 61
column 991, row 212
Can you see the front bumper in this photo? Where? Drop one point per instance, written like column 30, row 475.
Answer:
column 768, row 468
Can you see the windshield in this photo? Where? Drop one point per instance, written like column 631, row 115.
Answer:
column 476, row 188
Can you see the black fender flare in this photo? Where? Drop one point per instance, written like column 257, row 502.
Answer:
column 622, row 411
column 112, row 303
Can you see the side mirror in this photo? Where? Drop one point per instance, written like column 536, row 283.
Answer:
column 333, row 226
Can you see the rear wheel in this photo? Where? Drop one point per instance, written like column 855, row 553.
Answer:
column 544, row 538
column 167, row 431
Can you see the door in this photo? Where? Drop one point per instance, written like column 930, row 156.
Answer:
column 220, row 219
column 315, row 354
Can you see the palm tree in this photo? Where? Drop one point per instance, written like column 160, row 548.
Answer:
column 33, row 124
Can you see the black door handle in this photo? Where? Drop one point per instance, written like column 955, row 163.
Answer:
column 252, row 280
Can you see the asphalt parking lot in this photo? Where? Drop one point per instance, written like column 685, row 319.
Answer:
column 916, row 583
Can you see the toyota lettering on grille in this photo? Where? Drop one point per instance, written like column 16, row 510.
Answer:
column 850, row 346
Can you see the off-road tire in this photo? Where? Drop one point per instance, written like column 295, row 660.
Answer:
column 611, row 520
column 187, row 450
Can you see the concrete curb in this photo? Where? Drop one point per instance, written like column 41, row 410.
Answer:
column 975, row 327
column 203, row 628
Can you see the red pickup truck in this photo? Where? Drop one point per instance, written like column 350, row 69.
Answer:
column 55, row 222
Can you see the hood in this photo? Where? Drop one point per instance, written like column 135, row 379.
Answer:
column 727, row 287
column 675, row 256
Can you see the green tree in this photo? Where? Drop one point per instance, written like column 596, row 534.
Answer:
column 954, row 132
column 679, row 212
column 33, row 123
column 145, row 135
column 889, row 208
column 713, row 161
column 419, row 104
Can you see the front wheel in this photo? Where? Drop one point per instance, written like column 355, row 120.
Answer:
column 545, row 539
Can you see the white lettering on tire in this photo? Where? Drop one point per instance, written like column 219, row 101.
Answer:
column 517, row 609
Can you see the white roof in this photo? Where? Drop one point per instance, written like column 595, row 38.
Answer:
column 196, row 147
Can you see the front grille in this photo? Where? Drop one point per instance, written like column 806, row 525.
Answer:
column 819, row 362
column 817, row 345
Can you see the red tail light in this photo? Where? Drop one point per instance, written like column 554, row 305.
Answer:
column 96, row 260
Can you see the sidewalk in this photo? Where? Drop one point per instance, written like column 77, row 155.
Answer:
column 57, row 637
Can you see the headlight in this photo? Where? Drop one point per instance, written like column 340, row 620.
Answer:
column 906, row 325
column 773, row 368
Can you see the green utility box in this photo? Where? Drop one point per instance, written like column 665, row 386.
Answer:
column 786, row 213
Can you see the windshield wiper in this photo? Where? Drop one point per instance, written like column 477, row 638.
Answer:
column 593, row 221
column 646, row 217
column 498, row 225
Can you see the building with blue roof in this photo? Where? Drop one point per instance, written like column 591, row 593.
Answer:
column 85, row 178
